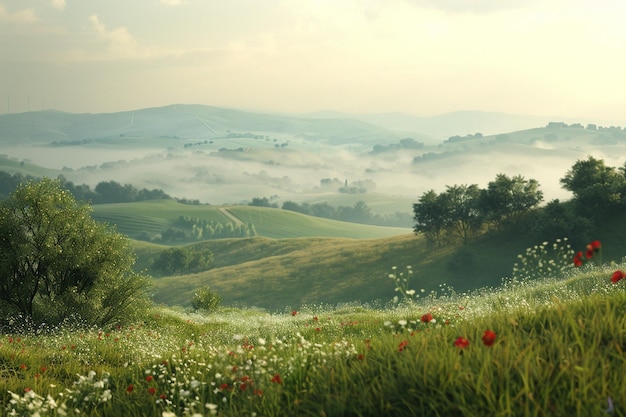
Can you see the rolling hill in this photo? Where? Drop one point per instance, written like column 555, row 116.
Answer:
column 278, row 274
column 156, row 216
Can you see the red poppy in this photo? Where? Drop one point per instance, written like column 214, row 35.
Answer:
column 294, row 312
column 427, row 318
column 461, row 342
column 277, row 379
column 578, row 259
column 617, row 276
column 489, row 338
column 151, row 390
column 403, row 345
column 148, row 378
column 589, row 253
column 130, row 388
column 595, row 245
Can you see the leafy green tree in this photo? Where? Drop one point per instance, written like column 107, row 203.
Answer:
column 57, row 262
column 507, row 199
column 430, row 214
column 462, row 205
column 598, row 189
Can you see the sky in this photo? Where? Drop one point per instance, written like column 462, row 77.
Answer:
column 421, row 57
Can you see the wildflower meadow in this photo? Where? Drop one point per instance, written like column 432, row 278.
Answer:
column 548, row 345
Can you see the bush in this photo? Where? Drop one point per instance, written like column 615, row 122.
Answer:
column 205, row 299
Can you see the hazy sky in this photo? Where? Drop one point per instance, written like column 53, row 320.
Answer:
column 423, row 57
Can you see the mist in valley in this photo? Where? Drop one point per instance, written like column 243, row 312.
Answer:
column 288, row 166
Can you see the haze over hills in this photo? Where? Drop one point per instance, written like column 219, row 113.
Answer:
column 225, row 156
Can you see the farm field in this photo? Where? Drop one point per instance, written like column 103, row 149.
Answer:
column 154, row 217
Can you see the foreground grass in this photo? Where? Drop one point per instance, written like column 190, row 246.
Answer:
column 559, row 351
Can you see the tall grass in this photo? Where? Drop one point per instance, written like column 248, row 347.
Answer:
column 558, row 351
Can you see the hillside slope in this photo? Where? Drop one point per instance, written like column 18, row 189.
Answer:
column 286, row 273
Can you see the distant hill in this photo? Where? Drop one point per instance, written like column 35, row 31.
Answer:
column 179, row 121
column 187, row 121
column 225, row 156
column 439, row 127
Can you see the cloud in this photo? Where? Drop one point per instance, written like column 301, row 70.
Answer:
column 121, row 43
column 473, row 6
column 59, row 4
column 22, row 16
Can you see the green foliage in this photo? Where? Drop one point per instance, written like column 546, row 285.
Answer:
column 507, row 199
column 558, row 219
column 462, row 211
column 56, row 262
column 205, row 299
column 181, row 260
column 598, row 189
column 203, row 229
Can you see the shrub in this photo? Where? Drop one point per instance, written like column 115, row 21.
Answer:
column 205, row 299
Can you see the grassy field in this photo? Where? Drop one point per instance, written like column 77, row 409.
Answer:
column 549, row 347
column 278, row 274
column 292, row 272
column 156, row 216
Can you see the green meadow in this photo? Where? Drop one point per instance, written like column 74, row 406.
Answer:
column 154, row 217
column 547, row 347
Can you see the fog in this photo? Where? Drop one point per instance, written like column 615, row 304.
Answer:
column 295, row 172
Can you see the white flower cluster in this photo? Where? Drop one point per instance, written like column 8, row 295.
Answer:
column 88, row 391
column 32, row 404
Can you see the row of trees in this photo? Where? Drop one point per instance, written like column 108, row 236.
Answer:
column 464, row 211
column 202, row 229
column 181, row 260
column 104, row 192
column 357, row 213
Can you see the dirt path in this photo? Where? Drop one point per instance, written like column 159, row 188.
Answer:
column 231, row 216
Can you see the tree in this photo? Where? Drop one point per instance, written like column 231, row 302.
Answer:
column 462, row 203
column 508, row 199
column 57, row 262
column 597, row 188
column 430, row 215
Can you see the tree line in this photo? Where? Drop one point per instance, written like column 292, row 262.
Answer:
column 104, row 192
column 357, row 213
column 202, row 229
column 463, row 212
